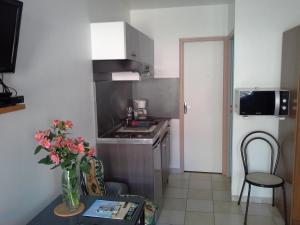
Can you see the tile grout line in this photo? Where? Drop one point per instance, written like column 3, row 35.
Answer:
column 187, row 194
column 213, row 205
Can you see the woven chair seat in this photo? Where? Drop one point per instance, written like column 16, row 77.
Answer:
column 264, row 179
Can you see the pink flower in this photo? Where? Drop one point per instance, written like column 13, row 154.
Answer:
column 80, row 139
column 80, row 148
column 91, row 152
column 71, row 146
column 68, row 124
column 54, row 158
column 47, row 132
column 45, row 143
column 59, row 141
column 69, row 142
column 56, row 122
column 76, row 149
column 39, row 136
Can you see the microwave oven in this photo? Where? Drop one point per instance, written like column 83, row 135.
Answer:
column 262, row 102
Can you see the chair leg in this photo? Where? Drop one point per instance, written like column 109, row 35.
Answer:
column 247, row 205
column 273, row 198
column 239, row 202
column 284, row 205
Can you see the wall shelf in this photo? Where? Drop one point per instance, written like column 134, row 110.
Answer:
column 12, row 108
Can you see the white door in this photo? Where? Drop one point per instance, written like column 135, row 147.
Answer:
column 203, row 91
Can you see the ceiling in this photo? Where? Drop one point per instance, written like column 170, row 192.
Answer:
column 152, row 4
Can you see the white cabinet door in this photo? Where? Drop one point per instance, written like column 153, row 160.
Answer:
column 108, row 41
column 203, row 91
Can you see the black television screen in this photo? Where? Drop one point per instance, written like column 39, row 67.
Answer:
column 10, row 19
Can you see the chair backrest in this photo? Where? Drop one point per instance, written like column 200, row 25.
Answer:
column 271, row 142
column 92, row 183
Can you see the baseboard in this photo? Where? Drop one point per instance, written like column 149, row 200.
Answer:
column 253, row 199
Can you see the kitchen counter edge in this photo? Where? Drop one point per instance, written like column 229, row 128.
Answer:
column 160, row 130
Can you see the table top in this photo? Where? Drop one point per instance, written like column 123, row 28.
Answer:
column 47, row 216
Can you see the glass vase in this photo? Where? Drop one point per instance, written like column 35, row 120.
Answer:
column 70, row 189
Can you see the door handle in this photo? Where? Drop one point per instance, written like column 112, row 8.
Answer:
column 185, row 108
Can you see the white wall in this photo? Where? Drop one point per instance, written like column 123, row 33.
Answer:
column 54, row 74
column 166, row 26
column 108, row 10
column 259, row 25
column 231, row 16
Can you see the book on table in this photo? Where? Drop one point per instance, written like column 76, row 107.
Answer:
column 111, row 209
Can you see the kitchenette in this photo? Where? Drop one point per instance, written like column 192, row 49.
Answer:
column 133, row 109
column 138, row 156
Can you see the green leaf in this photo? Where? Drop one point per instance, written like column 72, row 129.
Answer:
column 86, row 144
column 84, row 166
column 38, row 149
column 51, row 136
column 65, row 164
column 46, row 161
column 73, row 157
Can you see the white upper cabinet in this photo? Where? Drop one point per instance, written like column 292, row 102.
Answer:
column 108, row 41
column 119, row 40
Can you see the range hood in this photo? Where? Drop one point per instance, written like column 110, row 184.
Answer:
column 121, row 70
column 126, row 76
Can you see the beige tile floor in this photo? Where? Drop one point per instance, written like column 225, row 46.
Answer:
column 205, row 199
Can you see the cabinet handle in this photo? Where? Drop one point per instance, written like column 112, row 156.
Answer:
column 133, row 55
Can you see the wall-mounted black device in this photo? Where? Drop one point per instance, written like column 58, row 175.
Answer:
column 9, row 101
column 251, row 102
column 10, row 20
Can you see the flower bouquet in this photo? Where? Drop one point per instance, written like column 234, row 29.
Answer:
column 68, row 153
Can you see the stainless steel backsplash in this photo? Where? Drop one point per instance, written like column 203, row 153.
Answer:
column 112, row 98
column 162, row 95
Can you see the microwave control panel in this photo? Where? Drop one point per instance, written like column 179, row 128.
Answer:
column 284, row 103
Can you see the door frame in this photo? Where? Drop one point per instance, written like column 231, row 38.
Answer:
column 226, row 107
column 229, row 108
column 295, row 206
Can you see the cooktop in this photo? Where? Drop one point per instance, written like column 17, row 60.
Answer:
column 133, row 132
column 136, row 129
column 130, row 135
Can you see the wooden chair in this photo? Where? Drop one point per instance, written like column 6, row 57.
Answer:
column 262, row 179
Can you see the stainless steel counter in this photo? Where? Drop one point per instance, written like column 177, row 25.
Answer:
column 156, row 133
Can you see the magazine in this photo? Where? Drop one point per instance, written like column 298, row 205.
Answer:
column 108, row 209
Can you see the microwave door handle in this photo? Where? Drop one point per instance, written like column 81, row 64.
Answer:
column 277, row 103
